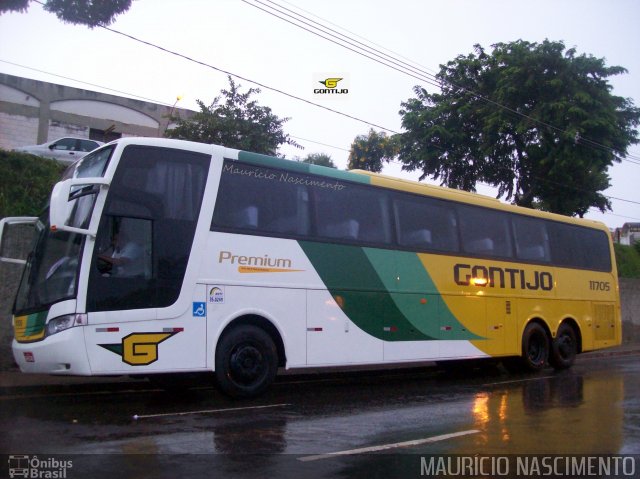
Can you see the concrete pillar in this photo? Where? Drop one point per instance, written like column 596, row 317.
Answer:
column 43, row 121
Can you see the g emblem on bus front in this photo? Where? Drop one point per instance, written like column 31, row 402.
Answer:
column 139, row 349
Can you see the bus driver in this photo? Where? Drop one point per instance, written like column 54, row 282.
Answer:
column 125, row 258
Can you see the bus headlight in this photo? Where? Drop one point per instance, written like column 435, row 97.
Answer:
column 65, row 322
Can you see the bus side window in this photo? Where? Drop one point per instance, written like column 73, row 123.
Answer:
column 154, row 198
column 246, row 217
column 588, row 248
column 128, row 250
column 425, row 223
column 253, row 203
column 353, row 213
column 532, row 239
column 485, row 232
column 345, row 229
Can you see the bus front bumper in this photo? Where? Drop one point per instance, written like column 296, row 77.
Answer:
column 63, row 353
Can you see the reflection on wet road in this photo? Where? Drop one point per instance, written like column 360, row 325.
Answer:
column 335, row 425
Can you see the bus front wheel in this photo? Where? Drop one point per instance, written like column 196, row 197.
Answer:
column 564, row 347
column 246, row 361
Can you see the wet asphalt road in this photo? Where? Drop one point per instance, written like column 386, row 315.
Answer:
column 332, row 425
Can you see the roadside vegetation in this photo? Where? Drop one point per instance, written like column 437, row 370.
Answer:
column 628, row 260
column 25, row 183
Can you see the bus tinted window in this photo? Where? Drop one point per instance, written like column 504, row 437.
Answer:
column 596, row 249
column 256, row 200
column 532, row 239
column 352, row 213
column 252, row 198
column 426, row 224
column 484, row 232
column 577, row 247
column 154, row 199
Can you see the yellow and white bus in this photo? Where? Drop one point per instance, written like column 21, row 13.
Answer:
column 162, row 256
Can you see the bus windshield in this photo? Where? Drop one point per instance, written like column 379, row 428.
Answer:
column 51, row 272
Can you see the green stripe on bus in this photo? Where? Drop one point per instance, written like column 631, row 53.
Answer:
column 34, row 328
column 415, row 294
column 356, row 286
column 299, row 167
column 386, row 293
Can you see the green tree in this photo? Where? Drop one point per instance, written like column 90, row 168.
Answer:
column 234, row 121
column 321, row 159
column 25, row 183
column 91, row 13
column 534, row 120
column 369, row 151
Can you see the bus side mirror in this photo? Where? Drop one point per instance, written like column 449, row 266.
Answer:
column 14, row 238
column 73, row 202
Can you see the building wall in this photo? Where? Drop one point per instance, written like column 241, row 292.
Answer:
column 34, row 112
column 630, row 305
column 17, row 130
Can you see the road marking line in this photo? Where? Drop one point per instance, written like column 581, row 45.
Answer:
column 384, row 447
column 512, row 381
column 207, row 411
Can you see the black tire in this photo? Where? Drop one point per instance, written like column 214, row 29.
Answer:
column 246, row 361
column 564, row 347
column 535, row 348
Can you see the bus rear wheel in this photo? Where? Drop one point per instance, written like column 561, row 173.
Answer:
column 535, row 351
column 564, row 347
column 246, row 361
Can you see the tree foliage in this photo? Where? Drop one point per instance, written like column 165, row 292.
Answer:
column 534, row 120
column 321, row 159
column 91, row 13
column 26, row 182
column 369, row 151
column 234, row 121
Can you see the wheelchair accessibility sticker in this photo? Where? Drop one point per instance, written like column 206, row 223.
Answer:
column 199, row 310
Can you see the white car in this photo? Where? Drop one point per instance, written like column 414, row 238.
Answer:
column 66, row 150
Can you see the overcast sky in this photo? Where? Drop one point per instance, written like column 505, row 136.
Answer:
column 235, row 36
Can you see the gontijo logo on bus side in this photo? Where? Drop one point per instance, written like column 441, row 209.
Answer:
column 498, row 277
column 257, row 264
column 139, row 349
